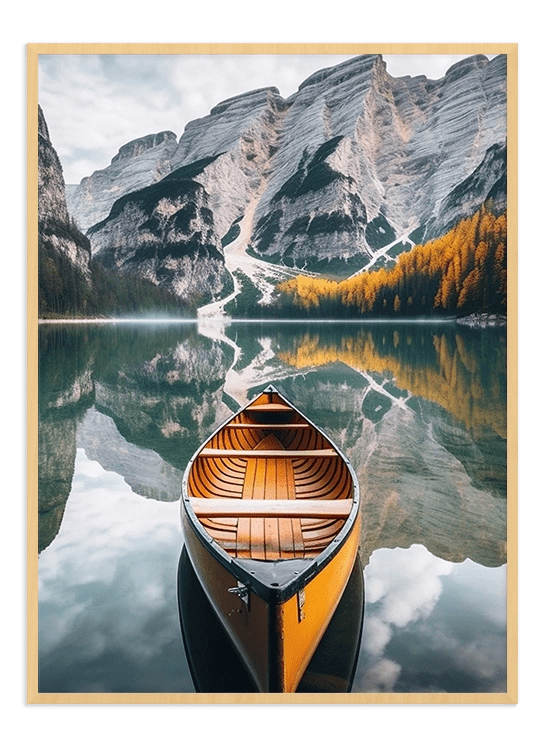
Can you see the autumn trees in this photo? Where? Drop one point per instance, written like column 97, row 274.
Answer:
column 460, row 273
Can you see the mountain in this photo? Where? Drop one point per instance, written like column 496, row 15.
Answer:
column 166, row 233
column 366, row 159
column 137, row 164
column 70, row 283
column 63, row 251
column 171, row 231
column 341, row 176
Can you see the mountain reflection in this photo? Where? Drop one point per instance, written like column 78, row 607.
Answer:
column 138, row 398
column 419, row 409
column 65, row 391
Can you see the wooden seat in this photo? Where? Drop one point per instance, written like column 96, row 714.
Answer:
column 272, row 453
column 285, row 508
column 275, row 426
column 269, row 407
column 249, row 473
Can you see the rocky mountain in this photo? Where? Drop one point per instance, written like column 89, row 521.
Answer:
column 487, row 182
column 166, row 234
column 70, row 283
column 342, row 175
column 367, row 159
column 137, row 164
column 62, row 249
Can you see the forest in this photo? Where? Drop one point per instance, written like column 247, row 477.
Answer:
column 65, row 291
column 460, row 273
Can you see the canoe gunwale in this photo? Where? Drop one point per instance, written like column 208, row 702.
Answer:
column 274, row 581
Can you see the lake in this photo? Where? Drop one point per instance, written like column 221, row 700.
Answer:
column 419, row 409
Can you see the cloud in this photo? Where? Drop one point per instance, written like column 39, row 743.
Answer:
column 433, row 66
column 97, row 103
column 403, row 592
column 381, row 677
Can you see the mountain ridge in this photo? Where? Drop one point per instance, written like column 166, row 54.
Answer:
column 342, row 173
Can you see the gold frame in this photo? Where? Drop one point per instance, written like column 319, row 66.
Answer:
column 33, row 695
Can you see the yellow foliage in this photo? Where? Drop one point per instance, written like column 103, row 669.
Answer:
column 466, row 266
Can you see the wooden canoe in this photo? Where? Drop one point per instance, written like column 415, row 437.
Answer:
column 270, row 511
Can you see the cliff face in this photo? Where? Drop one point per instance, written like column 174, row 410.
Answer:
column 242, row 134
column 353, row 167
column 166, row 234
column 365, row 159
column 137, row 164
column 171, row 231
column 52, row 201
column 59, row 240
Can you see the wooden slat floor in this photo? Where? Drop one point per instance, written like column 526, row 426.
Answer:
column 270, row 478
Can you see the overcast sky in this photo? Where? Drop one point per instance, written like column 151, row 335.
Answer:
column 94, row 104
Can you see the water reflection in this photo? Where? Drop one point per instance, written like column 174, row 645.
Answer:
column 432, row 625
column 107, row 614
column 419, row 409
column 462, row 371
column 426, row 475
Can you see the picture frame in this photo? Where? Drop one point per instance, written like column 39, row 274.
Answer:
column 34, row 696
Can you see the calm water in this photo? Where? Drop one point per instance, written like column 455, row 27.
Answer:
column 419, row 409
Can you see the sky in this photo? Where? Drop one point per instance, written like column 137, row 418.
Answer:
column 94, row 104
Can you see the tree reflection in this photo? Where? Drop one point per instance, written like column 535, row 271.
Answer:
column 465, row 374
column 419, row 409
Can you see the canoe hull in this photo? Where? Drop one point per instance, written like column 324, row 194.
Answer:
column 271, row 519
column 274, row 639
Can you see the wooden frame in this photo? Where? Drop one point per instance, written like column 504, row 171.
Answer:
column 33, row 52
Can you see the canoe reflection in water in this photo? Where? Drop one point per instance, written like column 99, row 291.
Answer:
column 213, row 660
column 271, row 517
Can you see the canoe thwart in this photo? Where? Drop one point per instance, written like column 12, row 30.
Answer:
column 276, row 426
column 269, row 407
column 262, row 453
column 282, row 508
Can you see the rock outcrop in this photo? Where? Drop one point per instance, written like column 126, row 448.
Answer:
column 59, row 240
column 366, row 159
column 240, row 134
column 487, row 183
column 166, row 234
column 171, row 232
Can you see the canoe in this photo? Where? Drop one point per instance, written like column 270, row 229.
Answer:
column 270, row 512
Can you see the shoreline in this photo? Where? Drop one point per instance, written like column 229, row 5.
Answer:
column 484, row 320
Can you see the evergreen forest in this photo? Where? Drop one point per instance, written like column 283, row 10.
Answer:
column 461, row 273
column 64, row 290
